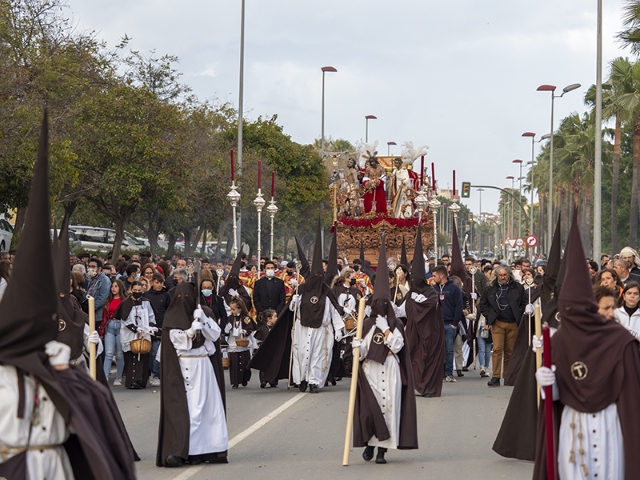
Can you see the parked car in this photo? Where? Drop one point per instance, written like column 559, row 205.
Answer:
column 73, row 239
column 101, row 239
column 6, row 234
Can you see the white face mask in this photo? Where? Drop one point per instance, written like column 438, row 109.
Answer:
column 270, row 272
column 92, row 272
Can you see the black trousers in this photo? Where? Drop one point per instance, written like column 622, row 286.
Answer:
column 136, row 370
column 239, row 371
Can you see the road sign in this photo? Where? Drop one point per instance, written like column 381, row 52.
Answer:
column 511, row 242
column 532, row 241
column 519, row 242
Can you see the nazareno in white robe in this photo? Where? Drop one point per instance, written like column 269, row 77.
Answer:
column 208, row 424
column 50, row 463
column 386, row 384
column 313, row 347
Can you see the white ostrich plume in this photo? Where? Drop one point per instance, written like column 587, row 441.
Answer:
column 409, row 153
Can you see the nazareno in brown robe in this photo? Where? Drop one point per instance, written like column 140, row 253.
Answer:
column 174, row 429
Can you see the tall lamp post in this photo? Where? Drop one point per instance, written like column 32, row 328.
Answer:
column 511, row 230
column 552, row 89
column 532, row 163
column 367, row 118
column 324, row 70
column 597, row 171
column 519, row 162
column 480, row 190
column 240, row 119
column 434, row 205
column 389, row 148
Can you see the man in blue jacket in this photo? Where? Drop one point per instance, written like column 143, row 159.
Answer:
column 450, row 297
column 99, row 286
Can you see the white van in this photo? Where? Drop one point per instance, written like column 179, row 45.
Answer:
column 101, row 239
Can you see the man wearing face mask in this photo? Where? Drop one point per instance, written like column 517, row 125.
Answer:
column 291, row 280
column 99, row 286
column 363, row 282
column 269, row 292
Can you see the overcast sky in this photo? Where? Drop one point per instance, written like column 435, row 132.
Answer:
column 459, row 76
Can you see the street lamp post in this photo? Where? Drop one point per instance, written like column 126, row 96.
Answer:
column 519, row 162
column 240, row 119
column 532, row 163
column 367, row 118
column 389, row 148
column 480, row 190
column 324, row 70
column 552, row 89
column 511, row 230
column 597, row 171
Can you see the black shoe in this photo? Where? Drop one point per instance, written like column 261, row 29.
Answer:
column 338, row 379
column 303, row 386
column 459, row 372
column 368, row 453
column 465, row 369
column 273, row 385
column 313, row 388
column 380, row 456
column 428, row 395
column 195, row 460
column 244, row 384
column 263, row 385
column 494, row 382
column 333, row 382
column 174, row 461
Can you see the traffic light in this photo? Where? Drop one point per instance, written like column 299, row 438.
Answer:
column 466, row 189
column 471, row 217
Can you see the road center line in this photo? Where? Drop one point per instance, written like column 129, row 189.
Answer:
column 191, row 471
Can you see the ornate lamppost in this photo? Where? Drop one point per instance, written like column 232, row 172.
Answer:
column 234, row 199
column 434, row 205
column 259, row 203
column 272, row 210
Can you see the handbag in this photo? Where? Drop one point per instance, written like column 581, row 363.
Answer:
column 462, row 330
column 484, row 333
column 102, row 329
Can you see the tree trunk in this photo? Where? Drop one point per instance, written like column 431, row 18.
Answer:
column 635, row 184
column 171, row 247
column 118, row 225
column 203, row 250
column 586, row 238
column 614, row 188
column 186, row 235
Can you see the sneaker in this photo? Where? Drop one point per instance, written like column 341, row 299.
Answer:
column 449, row 378
column 117, row 382
column 483, row 372
column 154, row 382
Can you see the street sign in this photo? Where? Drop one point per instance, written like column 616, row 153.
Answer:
column 511, row 242
column 532, row 241
column 519, row 242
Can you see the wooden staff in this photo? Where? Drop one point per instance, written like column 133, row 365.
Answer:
column 538, row 352
column 92, row 346
column 548, row 409
column 354, row 384
column 293, row 328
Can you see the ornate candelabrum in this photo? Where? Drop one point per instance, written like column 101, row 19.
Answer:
column 434, row 205
column 421, row 201
column 272, row 210
column 259, row 202
column 234, row 199
column 454, row 208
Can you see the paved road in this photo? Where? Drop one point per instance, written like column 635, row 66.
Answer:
column 305, row 439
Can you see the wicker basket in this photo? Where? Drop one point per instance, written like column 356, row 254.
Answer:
column 140, row 346
column 349, row 324
column 242, row 342
column 225, row 363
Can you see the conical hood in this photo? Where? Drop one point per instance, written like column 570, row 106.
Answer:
column 381, row 287
column 63, row 272
column 417, row 265
column 305, row 268
column 403, row 253
column 316, row 264
column 550, row 312
column 553, row 266
column 457, row 264
column 28, row 310
column 332, row 262
column 237, row 263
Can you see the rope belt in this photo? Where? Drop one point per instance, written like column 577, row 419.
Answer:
column 6, row 450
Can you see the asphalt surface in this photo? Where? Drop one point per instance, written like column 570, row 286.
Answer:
column 301, row 436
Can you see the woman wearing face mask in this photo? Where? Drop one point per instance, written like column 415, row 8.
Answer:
column 240, row 325
column 628, row 315
column 215, row 302
column 138, row 320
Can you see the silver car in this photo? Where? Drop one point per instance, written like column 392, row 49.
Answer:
column 6, row 234
column 101, row 239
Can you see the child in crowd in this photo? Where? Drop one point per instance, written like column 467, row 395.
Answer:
column 240, row 326
column 269, row 317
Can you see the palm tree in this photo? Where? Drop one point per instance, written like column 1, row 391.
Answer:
column 630, row 36
column 611, row 90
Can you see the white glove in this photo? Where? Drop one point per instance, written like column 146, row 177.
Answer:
column 356, row 343
column 58, row 353
column 382, row 323
column 227, row 328
column 396, row 309
column 293, row 282
column 418, row 297
column 338, row 335
column 195, row 327
column 536, row 344
column 546, row 376
column 141, row 330
column 347, row 310
column 153, row 329
column 94, row 337
column 367, row 311
column 474, row 296
column 198, row 313
column 295, row 299
column 529, row 310
column 233, row 292
column 243, row 332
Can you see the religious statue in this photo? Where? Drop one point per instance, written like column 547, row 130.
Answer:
column 352, row 182
column 403, row 187
column 373, row 182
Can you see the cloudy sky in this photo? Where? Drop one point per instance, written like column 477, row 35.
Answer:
column 459, row 76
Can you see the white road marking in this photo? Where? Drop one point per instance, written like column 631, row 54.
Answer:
column 191, row 471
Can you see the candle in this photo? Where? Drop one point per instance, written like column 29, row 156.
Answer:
column 422, row 171
column 433, row 175
column 259, row 174
column 273, row 183
column 233, row 171
column 454, row 183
